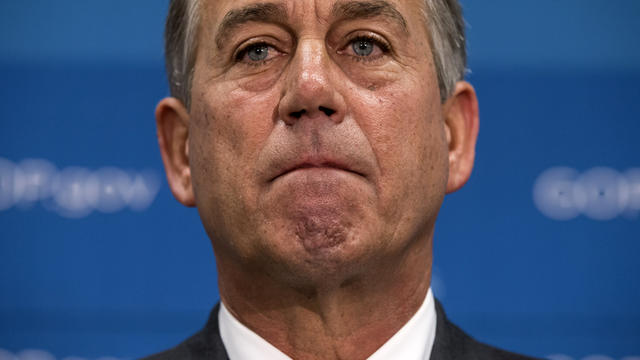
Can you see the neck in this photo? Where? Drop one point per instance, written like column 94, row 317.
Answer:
column 350, row 320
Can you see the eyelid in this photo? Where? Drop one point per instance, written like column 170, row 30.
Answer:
column 378, row 40
column 242, row 49
column 384, row 47
column 384, row 44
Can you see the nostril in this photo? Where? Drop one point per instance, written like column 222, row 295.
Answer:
column 297, row 114
column 327, row 111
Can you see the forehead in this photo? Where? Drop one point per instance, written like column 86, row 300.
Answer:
column 306, row 12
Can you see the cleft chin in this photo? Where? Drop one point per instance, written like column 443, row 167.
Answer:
column 320, row 232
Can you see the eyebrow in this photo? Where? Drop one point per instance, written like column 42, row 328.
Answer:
column 277, row 13
column 358, row 9
column 262, row 12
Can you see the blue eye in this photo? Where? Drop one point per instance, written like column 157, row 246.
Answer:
column 367, row 48
column 362, row 47
column 258, row 52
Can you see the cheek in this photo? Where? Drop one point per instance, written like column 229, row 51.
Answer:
column 227, row 129
column 229, row 126
column 403, row 123
column 240, row 121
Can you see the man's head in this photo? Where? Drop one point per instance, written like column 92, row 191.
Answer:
column 315, row 140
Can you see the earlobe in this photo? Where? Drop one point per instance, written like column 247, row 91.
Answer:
column 172, row 122
column 461, row 125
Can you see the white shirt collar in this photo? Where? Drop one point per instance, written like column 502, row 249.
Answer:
column 413, row 341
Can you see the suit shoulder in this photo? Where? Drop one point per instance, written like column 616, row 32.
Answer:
column 205, row 344
column 485, row 351
column 194, row 348
column 453, row 343
column 482, row 351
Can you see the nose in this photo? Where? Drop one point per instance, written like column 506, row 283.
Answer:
column 311, row 86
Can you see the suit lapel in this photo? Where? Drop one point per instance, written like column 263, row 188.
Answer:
column 212, row 345
column 451, row 343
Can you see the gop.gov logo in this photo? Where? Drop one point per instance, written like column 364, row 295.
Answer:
column 74, row 192
column 601, row 193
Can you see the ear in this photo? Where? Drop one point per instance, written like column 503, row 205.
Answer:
column 172, row 121
column 461, row 125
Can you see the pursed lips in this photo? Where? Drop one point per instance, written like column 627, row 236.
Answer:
column 319, row 163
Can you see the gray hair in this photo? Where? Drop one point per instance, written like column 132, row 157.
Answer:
column 445, row 27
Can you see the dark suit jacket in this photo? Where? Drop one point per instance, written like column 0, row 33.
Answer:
column 451, row 343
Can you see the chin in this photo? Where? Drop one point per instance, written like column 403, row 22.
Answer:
column 318, row 228
column 319, row 250
column 320, row 233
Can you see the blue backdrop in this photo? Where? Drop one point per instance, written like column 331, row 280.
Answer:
column 537, row 254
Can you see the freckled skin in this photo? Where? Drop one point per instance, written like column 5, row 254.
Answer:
column 318, row 174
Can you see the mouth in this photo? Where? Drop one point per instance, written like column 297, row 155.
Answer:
column 320, row 164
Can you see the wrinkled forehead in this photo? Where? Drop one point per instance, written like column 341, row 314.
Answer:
column 222, row 15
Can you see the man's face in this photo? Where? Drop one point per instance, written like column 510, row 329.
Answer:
column 316, row 138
